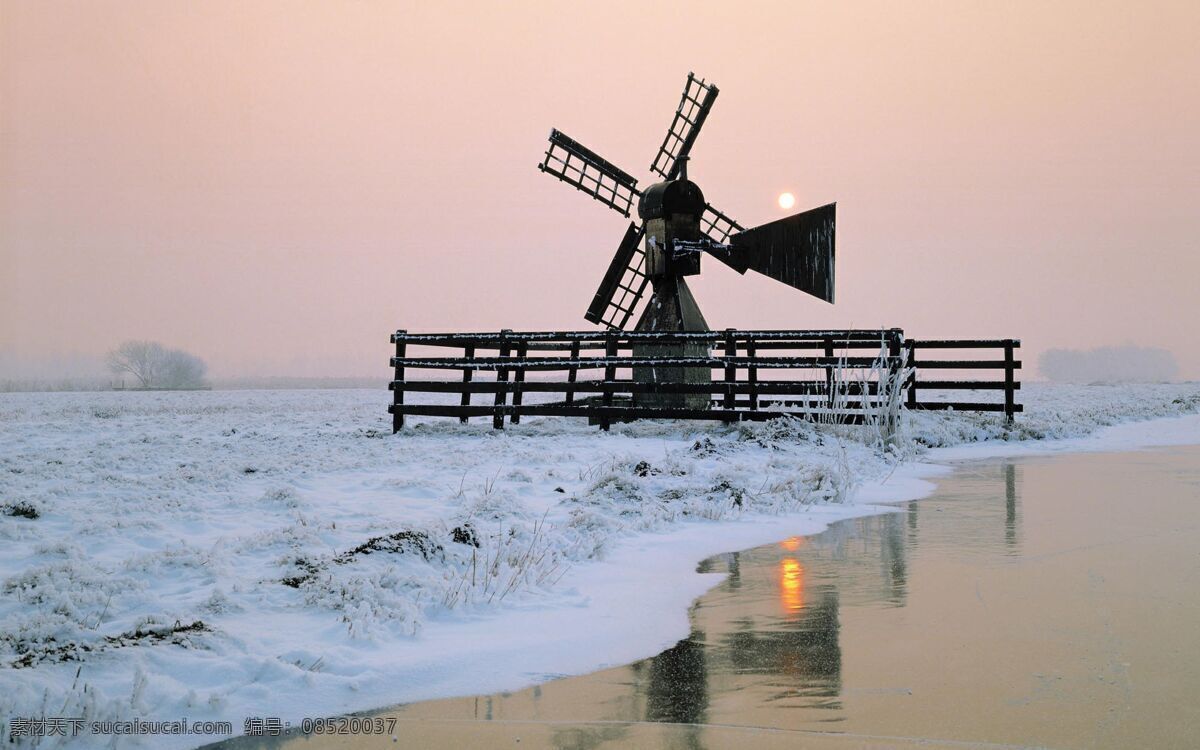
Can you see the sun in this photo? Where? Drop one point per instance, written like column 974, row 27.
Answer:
column 786, row 200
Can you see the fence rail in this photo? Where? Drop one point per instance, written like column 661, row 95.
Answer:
column 1009, row 384
column 758, row 374
column 731, row 375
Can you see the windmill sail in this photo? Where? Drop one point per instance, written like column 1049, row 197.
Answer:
column 717, row 227
column 798, row 250
column 576, row 164
column 698, row 98
column 623, row 284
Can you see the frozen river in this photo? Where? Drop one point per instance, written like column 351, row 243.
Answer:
column 1050, row 602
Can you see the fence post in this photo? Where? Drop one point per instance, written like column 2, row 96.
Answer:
column 501, row 377
column 912, row 378
column 730, row 369
column 829, row 376
column 518, row 379
column 398, row 382
column 468, row 374
column 574, row 372
column 752, row 373
column 895, row 369
column 1009, row 391
column 610, row 374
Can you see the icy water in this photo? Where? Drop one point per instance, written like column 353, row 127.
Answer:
column 1035, row 602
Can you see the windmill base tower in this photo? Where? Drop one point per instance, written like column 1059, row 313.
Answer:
column 672, row 308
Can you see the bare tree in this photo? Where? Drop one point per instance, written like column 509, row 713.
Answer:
column 181, row 370
column 140, row 359
column 155, row 366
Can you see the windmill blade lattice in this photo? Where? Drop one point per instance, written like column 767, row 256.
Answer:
column 576, row 164
column 718, row 227
column 623, row 284
column 698, row 98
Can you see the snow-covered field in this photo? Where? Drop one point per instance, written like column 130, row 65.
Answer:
column 233, row 554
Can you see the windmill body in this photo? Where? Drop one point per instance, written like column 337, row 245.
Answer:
column 677, row 227
column 671, row 212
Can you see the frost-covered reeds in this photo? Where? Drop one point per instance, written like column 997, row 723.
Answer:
column 505, row 561
column 875, row 392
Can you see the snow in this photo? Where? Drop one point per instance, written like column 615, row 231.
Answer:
column 151, row 582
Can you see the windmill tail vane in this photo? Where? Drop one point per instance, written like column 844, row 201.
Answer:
column 676, row 226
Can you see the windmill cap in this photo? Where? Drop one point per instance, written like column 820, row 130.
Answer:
column 669, row 198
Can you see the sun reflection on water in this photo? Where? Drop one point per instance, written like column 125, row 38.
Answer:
column 792, row 543
column 791, row 584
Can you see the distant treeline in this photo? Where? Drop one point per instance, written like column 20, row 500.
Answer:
column 14, row 385
column 284, row 383
column 1109, row 364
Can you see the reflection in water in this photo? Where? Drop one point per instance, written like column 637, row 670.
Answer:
column 1010, row 507
column 791, row 585
column 766, row 647
column 587, row 738
column 792, row 543
column 789, row 655
column 733, row 560
column 798, row 664
column 895, row 565
column 676, row 685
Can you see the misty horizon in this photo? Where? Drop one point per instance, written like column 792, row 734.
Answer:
column 276, row 188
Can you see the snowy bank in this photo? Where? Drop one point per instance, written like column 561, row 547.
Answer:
column 220, row 555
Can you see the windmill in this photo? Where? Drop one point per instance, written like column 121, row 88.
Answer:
column 677, row 226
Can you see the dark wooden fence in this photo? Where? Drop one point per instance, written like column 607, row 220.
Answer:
column 845, row 376
column 930, row 360
column 830, row 375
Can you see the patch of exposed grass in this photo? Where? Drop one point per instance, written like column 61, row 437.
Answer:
column 20, row 509
column 51, row 651
column 401, row 542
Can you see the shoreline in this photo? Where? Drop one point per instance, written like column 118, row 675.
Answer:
column 1012, row 573
column 658, row 574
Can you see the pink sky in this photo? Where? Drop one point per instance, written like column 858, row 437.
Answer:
column 277, row 186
